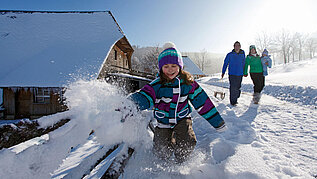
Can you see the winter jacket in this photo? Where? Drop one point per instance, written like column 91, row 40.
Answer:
column 236, row 63
column 170, row 102
column 255, row 64
column 266, row 59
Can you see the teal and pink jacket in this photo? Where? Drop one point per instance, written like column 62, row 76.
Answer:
column 170, row 102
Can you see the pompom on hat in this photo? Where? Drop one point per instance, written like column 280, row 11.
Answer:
column 265, row 52
column 170, row 55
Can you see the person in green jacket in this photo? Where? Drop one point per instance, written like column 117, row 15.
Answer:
column 256, row 72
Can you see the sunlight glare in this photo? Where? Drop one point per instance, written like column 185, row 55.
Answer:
column 295, row 15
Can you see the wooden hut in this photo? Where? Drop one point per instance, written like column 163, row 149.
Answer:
column 41, row 52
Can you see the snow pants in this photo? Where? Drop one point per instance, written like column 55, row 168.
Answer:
column 180, row 140
column 235, row 85
column 258, row 82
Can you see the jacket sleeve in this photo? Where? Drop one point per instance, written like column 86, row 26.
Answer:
column 246, row 66
column 243, row 61
column 269, row 60
column 225, row 64
column 144, row 98
column 202, row 103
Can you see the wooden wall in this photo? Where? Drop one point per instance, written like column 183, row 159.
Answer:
column 120, row 60
column 115, row 64
column 19, row 103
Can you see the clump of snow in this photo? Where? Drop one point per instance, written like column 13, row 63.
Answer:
column 50, row 120
column 6, row 122
column 24, row 145
column 13, row 122
column 95, row 105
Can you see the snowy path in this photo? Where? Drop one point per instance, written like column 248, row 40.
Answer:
column 275, row 139
column 285, row 134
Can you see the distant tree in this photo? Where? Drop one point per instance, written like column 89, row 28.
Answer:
column 201, row 59
column 151, row 60
column 293, row 46
column 145, row 59
column 300, row 40
column 263, row 41
column 311, row 46
column 287, row 45
column 283, row 40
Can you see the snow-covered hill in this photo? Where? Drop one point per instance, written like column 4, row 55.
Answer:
column 275, row 139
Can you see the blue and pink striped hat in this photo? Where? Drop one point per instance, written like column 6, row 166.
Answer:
column 170, row 55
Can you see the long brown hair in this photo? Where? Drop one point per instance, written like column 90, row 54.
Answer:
column 186, row 76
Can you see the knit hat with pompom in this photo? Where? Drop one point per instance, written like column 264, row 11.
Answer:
column 265, row 52
column 170, row 55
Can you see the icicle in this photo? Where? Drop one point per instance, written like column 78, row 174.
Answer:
column 14, row 89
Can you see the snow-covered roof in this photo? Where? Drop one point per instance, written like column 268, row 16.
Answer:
column 130, row 76
column 53, row 48
column 191, row 67
column 1, row 97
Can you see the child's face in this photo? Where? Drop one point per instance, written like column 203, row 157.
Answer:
column 263, row 54
column 170, row 70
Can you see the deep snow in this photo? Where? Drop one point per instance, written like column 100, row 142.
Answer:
column 275, row 139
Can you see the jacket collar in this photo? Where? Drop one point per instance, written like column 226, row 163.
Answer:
column 175, row 81
column 240, row 52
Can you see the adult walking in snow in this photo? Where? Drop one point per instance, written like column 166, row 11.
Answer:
column 169, row 97
column 236, row 60
column 256, row 72
column 266, row 62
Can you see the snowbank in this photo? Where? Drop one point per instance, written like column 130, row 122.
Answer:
column 294, row 82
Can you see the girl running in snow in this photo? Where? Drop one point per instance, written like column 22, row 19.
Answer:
column 169, row 97
column 256, row 72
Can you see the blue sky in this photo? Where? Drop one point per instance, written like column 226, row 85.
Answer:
column 192, row 25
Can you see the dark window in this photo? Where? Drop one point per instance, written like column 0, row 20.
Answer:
column 115, row 55
column 42, row 95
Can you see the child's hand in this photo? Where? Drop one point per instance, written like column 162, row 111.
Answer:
column 126, row 111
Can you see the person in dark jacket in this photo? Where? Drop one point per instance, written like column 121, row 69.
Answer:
column 236, row 61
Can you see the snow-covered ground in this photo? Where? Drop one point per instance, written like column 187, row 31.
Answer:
column 294, row 82
column 275, row 139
